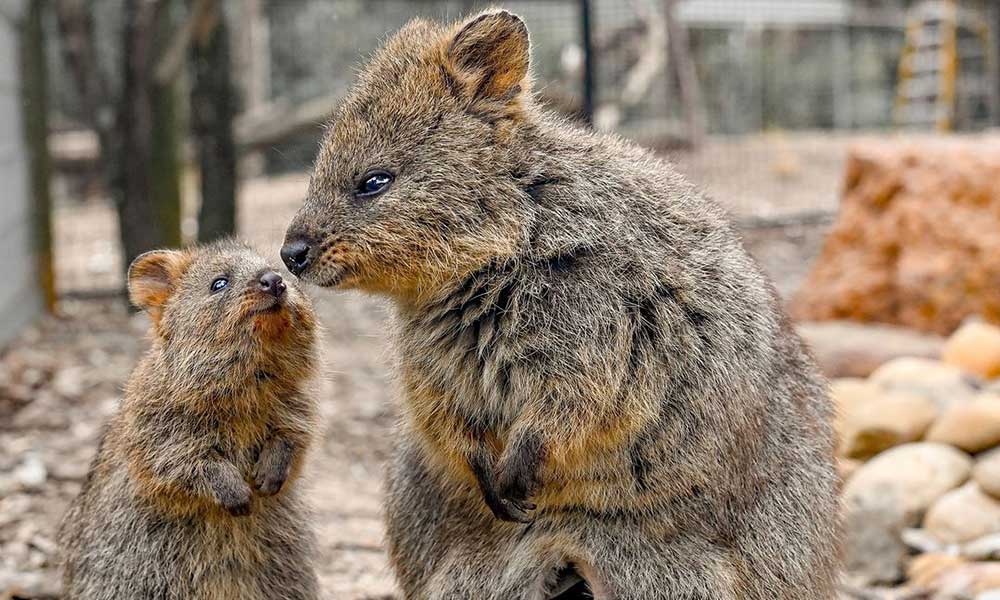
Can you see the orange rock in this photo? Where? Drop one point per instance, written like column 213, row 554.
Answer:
column 975, row 348
column 916, row 242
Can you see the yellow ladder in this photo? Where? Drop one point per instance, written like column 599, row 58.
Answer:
column 944, row 70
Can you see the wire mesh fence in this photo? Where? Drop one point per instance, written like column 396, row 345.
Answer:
column 777, row 79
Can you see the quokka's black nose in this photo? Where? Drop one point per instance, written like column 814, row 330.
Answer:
column 271, row 283
column 295, row 255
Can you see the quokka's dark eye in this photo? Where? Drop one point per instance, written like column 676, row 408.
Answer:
column 374, row 183
column 220, row 283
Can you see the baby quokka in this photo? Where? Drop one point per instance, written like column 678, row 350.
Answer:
column 193, row 492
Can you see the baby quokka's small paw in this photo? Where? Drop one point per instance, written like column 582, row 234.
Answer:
column 270, row 478
column 274, row 465
column 236, row 501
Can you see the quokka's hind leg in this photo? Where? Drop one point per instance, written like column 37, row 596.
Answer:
column 444, row 543
column 418, row 514
column 622, row 564
column 437, row 536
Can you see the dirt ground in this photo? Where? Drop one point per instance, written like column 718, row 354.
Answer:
column 62, row 378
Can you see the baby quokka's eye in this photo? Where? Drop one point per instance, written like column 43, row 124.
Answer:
column 373, row 183
column 220, row 283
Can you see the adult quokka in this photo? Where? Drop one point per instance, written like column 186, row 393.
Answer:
column 596, row 376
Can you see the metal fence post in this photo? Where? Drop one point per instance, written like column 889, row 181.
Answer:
column 589, row 61
column 994, row 62
column 35, row 99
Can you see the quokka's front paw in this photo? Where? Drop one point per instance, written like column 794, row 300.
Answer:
column 514, row 511
column 269, row 479
column 514, row 489
column 274, row 465
column 517, row 479
column 236, row 501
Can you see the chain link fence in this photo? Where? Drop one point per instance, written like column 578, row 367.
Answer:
column 784, row 85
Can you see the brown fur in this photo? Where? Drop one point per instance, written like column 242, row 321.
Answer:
column 193, row 493
column 594, row 371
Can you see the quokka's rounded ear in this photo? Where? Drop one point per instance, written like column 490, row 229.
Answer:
column 153, row 277
column 490, row 56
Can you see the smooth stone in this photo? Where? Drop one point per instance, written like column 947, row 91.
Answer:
column 974, row 348
column 972, row 426
column 963, row 515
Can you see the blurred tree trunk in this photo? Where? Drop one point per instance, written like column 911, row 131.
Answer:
column 136, row 125
column 213, row 109
column 166, row 164
column 35, row 102
column 589, row 62
column 253, row 57
column 146, row 161
column 78, row 44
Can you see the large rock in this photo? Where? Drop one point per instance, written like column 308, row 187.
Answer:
column 975, row 348
column 871, row 419
column 846, row 349
column 972, row 426
column 914, row 475
column 943, row 383
column 873, row 549
column 915, row 243
column 888, row 494
column 986, row 472
column 963, row 515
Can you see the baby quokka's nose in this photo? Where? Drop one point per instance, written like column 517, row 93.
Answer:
column 271, row 283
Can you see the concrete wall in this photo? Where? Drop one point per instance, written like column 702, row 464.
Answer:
column 20, row 300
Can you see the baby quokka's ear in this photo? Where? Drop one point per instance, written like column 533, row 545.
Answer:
column 488, row 59
column 153, row 278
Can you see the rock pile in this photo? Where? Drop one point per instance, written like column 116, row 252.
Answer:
column 915, row 243
column 919, row 451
